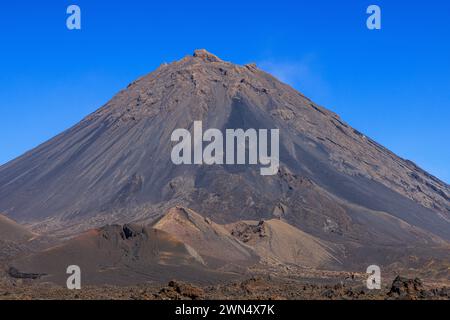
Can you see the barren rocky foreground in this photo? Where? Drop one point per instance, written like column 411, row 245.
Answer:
column 254, row 288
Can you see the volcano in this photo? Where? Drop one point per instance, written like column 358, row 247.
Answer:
column 333, row 182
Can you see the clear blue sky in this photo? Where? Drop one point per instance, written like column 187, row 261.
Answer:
column 392, row 84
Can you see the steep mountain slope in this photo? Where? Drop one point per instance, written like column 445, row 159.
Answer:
column 276, row 241
column 246, row 243
column 12, row 231
column 15, row 240
column 121, row 255
column 334, row 182
column 212, row 241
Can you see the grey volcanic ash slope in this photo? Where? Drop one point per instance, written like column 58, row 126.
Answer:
column 334, row 182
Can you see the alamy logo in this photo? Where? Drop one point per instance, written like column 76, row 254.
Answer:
column 238, row 143
column 374, row 20
column 73, row 22
column 373, row 282
column 74, row 280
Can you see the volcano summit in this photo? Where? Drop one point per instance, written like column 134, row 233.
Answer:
column 333, row 182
